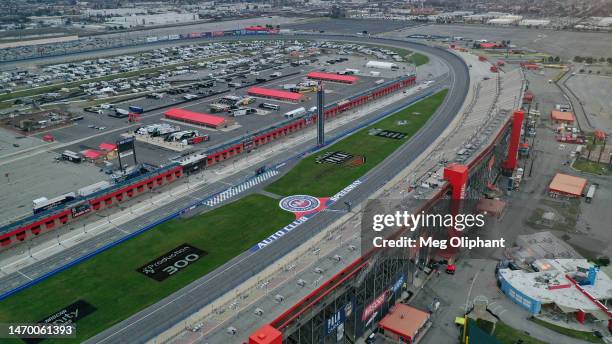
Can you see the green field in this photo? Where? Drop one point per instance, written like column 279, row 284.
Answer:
column 592, row 167
column 111, row 283
column 321, row 180
column 509, row 335
column 586, row 336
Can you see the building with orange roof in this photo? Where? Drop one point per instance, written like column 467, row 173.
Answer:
column 566, row 185
column 562, row 117
column 405, row 324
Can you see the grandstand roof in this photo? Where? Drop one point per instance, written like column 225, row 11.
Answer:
column 277, row 94
column 566, row 184
column 194, row 117
column 349, row 79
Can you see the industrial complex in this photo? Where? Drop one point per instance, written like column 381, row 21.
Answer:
column 225, row 173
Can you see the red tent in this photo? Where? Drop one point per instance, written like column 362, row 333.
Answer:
column 107, row 147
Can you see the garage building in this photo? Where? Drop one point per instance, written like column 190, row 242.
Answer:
column 275, row 94
column 197, row 118
column 405, row 324
column 566, row 185
column 345, row 79
column 562, row 117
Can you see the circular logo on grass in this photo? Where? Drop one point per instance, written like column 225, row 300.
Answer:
column 299, row 203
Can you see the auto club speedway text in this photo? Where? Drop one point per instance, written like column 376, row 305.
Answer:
column 459, row 222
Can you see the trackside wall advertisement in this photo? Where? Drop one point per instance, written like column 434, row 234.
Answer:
column 171, row 262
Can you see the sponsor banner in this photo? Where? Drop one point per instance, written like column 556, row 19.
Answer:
column 195, row 35
column 151, row 39
column 391, row 134
column 336, row 158
column 337, row 319
column 66, row 316
column 272, row 238
column 174, row 37
column 217, row 33
column 398, row 284
column 333, row 199
column 124, row 154
column 374, row 306
column 207, row 34
column 80, row 210
column 171, row 262
column 126, row 144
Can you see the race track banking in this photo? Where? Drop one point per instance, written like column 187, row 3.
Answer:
column 160, row 316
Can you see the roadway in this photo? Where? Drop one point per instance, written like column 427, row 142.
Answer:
column 149, row 322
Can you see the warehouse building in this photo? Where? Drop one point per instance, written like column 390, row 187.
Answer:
column 567, row 289
column 405, row 324
column 562, row 117
column 197, row 118
column 381, row 65
column 345, row 79
column 567, row 186
column 275, row 94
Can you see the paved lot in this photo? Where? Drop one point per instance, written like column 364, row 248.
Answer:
column 38, row 176
column 594, row 93
column 81, row 136
column 350, row 26
column 565, row 44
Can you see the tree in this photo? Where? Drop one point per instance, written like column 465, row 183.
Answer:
column 589, row 147
column 602, row 59
column 588, row 60
column 578, row 59
column 551, row 59
column 557, row 59
column 601, row 150
column 609, row 60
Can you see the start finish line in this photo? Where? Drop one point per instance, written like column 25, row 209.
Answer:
column 302, row 219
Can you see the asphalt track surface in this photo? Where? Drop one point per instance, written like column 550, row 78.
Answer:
column 160, row 316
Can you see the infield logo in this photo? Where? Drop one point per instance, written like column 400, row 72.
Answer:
column 171, row 262
column 299, row 203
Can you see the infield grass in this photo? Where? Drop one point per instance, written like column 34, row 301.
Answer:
column 110, row 282
column 322, row 180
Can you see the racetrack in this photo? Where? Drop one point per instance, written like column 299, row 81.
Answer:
column 160, row 316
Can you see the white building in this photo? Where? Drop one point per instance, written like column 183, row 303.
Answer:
column 153, row 19
column 505, row 20
column 534, row 22
column 381, row 65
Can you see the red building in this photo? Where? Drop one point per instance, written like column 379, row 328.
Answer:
column 275, row 94
column 197, row 118
column 345, row 79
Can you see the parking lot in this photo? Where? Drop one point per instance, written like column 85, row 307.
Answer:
column 281, row 66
